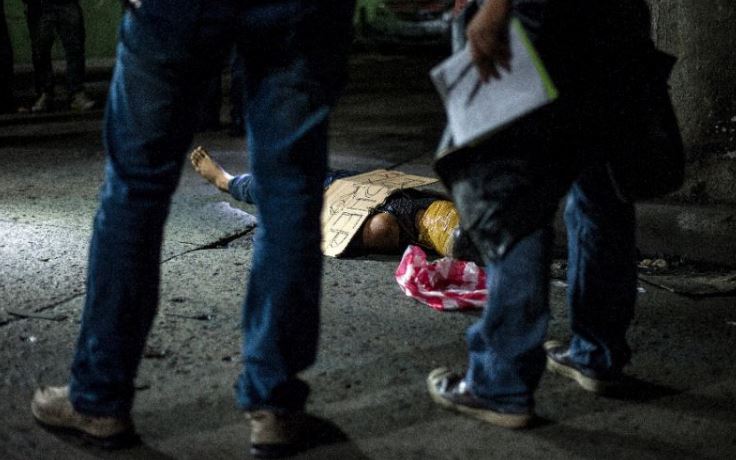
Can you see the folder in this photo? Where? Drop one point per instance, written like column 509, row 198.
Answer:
column 476, row 109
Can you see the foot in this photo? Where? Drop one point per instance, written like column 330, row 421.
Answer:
column 52, row 409
column 559, row 362
column 44, row 103
column 450, row 391
column 210, row 169
column 275, row 435
column 80, row 102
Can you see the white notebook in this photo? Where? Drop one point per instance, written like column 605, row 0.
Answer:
column 475, row 110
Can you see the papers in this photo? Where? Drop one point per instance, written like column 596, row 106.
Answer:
column 475, row 110
column 349, row 201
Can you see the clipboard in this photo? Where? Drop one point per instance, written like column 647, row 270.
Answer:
column 476, row 110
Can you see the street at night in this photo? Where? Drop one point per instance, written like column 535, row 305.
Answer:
column 369, row 396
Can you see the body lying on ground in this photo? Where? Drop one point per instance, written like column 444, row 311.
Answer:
column 407, row 216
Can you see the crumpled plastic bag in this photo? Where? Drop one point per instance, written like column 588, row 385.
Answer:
column 445, row 284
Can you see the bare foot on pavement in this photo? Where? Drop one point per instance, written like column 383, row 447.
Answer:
column 210, row 169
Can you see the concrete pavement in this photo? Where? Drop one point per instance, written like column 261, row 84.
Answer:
column 377, row 345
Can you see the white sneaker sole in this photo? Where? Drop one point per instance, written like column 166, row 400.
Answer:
column 585, row 382
column 503, row 420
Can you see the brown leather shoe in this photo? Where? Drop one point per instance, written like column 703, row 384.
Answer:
column 52, row 410
column 275, row 434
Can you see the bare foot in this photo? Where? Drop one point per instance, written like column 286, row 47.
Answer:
column 210, row 169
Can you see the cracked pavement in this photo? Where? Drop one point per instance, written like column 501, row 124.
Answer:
column 377, row 345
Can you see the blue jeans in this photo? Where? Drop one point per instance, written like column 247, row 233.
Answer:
column 506, row 356
column 45, row 21
column 294, row 53
column 242, row 189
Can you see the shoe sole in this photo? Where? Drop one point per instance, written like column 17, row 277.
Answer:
column 82, row 108
column 119, row 441
column 511, row 421
column 585, row 382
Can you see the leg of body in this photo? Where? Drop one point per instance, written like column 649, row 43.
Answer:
column 215, row 174
column 239, row 187
column 380, row 232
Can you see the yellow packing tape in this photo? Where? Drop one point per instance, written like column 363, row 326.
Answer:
column 436, row 225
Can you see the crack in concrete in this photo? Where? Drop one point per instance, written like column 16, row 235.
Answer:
column 62, row 227
column 217, row 244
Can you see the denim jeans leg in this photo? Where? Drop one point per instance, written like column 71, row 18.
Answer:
column 7, row 100
column 42, row 30
column 147, row 131
column 290, row 96
column 70, row 24
column 506, row 358
column 601, row 272
column 241, row 188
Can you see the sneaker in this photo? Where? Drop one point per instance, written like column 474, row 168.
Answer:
column 559, row 362
column 274, row 434
column 80, row 102
column 450, row 391
column 44, row 103
column 52, row 410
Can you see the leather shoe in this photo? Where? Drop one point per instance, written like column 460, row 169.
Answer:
column 52, row 410
column 275, row 434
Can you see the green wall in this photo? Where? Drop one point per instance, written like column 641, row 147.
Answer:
column 101, row 19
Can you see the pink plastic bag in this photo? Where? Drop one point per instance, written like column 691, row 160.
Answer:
column 445, row 284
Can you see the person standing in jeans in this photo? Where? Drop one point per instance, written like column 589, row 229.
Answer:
column 294, row 53
column 613, row 113
column 46, row 19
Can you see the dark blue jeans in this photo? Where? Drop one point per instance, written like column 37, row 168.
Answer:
column 506, row 357
column 242, row 189
column 294, row 53
column 7, row 101
column 46, row 20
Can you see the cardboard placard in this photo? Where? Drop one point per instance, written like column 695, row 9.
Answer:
column 349, row 201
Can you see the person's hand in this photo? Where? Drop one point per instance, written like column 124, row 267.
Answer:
column 488, row 38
